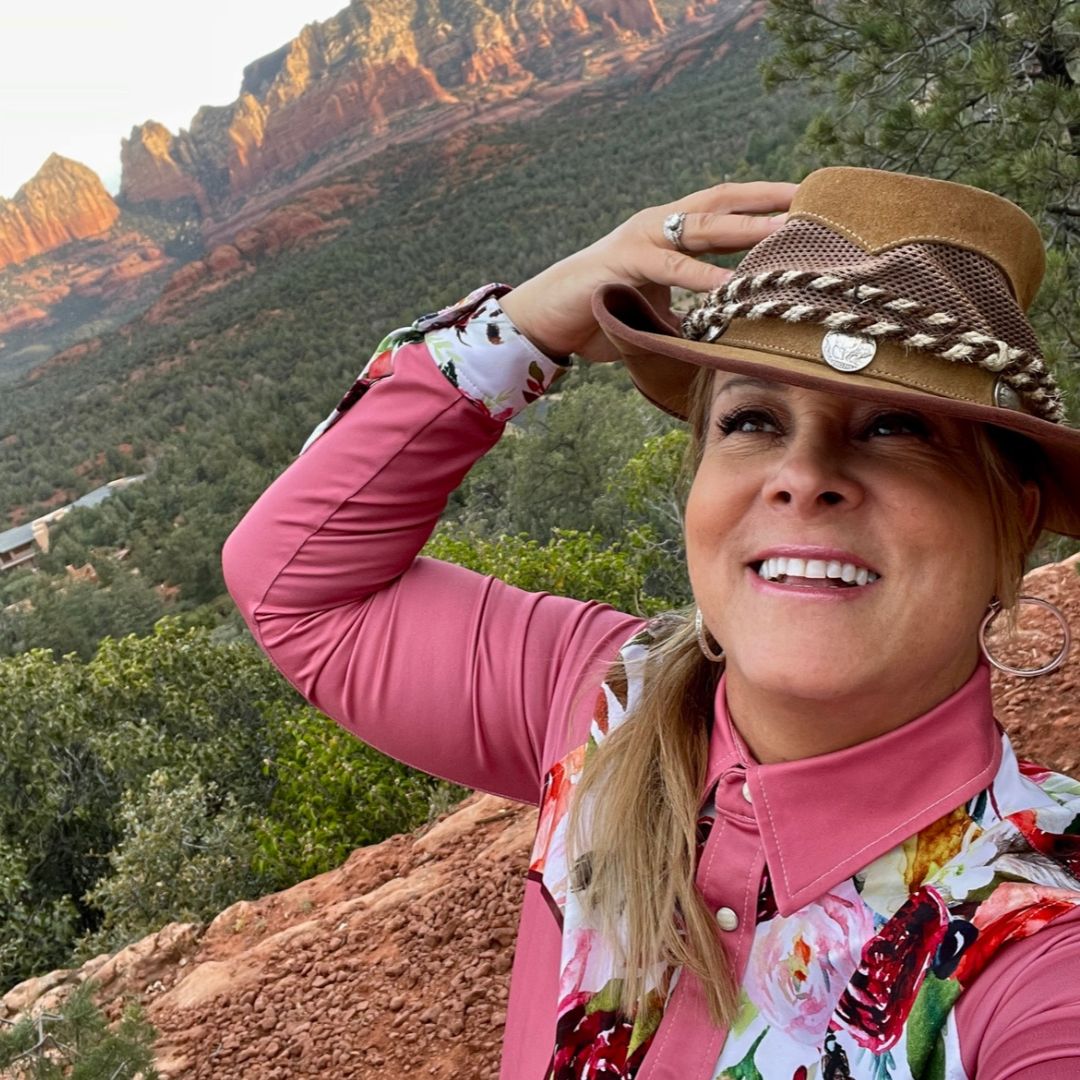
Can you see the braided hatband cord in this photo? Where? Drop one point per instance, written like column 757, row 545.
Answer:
column 939, row 332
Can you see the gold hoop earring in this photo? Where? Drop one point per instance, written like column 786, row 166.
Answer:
column 703, row 641
column 1026, row 673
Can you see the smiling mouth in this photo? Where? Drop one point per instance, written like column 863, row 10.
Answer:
column 827, row 573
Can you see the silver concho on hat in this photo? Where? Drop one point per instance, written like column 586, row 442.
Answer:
column 845, row 352
column 1005, row 397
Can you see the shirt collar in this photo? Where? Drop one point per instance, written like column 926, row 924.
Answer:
column 823, row 818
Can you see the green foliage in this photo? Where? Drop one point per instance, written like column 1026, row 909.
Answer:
column 53, row 800
column 559, row 458
column 72, row 617
column 571, row 563
column 982, row 92
column 166, row 778
column 583, row 497
column 79, row 1045
column 176, row 700
column 184, row 853
column 332, row 793
column 80, row 738
column 33, row 934
column 648, row 495
column 215, row 404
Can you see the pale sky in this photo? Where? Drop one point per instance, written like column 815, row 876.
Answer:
column 77, row 75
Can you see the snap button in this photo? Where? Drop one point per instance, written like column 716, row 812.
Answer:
column 726, row 919
column 746, row 791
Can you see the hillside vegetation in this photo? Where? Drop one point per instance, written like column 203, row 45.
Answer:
column 215, row 405
column 162, row 775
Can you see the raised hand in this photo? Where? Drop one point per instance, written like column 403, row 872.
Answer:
column 554, row 309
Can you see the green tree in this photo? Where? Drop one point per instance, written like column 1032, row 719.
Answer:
column 571, row 563
column 34, row 932
column 184, row 854
column 646, row 498
column 165, row 779
column 80, row 738
column 73, row 616
column 557, row 461
column 332, row 793
column 79, row 1044
column 979, row 91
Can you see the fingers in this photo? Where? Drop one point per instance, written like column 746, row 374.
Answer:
column 720, row 233
column 673, row 268
column 719, row 220
column 755, row 197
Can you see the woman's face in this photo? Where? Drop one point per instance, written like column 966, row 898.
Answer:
column 836, row 548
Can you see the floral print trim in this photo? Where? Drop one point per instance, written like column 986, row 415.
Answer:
column 491, row 362
column 861, row 983
column 479, row 350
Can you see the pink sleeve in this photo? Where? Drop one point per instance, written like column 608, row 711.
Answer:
column 454, row 673
column 1020, row 1019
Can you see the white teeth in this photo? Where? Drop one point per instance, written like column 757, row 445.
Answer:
column 782, row 567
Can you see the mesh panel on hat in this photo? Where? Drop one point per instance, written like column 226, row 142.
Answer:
column 951, row 280
column 931, row 296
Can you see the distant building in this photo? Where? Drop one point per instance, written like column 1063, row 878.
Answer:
column 20, row 545
column 17, row 546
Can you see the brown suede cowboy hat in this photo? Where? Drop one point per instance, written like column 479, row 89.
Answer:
column 887, row 287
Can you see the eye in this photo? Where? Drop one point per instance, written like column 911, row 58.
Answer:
column 748, row 421
column 898, row 423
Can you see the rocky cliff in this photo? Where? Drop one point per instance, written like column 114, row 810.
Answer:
column 157, row 168
column 373, row 70
column 398, row 962
column 380, row 67
column 64, row 201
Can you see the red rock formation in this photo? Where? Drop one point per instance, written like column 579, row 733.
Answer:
column 494, row 64
column 115, row 270
column 21, row 316
column 156, row 168
column 309, row 219
column 65, row 201
column 266, row 138
column 367, row 70
column 637, row 17
column 400, row 956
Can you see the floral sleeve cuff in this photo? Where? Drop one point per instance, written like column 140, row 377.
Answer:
column 479, row 350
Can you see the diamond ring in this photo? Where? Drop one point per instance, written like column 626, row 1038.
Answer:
column 673, row 227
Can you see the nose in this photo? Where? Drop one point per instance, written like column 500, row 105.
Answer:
column 813, row 476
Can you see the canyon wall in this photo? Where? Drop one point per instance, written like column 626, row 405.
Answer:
column 372, row 68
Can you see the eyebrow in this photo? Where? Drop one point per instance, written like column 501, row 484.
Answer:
column 737, row 381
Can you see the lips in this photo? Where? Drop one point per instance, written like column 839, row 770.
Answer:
column 837, row 570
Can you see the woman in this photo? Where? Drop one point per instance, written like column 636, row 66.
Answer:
column 784, row 839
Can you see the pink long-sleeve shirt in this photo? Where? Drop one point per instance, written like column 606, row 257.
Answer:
column 468, row 678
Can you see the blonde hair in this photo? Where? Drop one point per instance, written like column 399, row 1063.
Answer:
column 643, row 784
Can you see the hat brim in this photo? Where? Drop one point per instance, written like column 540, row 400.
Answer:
column 662, row 365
